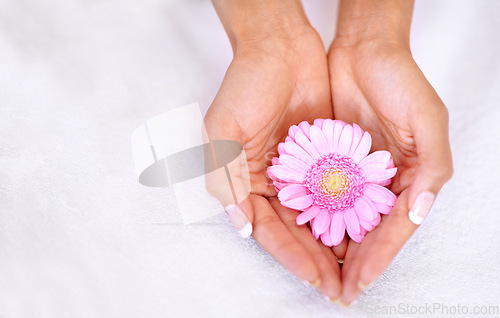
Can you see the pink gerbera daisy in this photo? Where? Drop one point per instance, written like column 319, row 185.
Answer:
column 324, row 170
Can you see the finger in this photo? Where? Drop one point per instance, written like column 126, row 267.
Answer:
column 349, row 269
column 332, row 260
column 227, row 176
column 340, row 250
column 261, row 184
column 434, row 163
column 272, row 234
column 350, row 255
column 228, row 180
column 323, row 258
column 392, row 234
column 378, row 249
column 433, row 169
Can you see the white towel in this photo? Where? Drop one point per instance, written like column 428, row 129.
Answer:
column 80, row 237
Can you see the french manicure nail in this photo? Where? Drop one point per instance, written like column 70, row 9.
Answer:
column 363, row 286
column 316, row 283
column 421, row 207
column 344, row 304
column 334, row 301
column 239, row 220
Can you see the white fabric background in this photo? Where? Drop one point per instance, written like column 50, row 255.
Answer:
column 80, row 237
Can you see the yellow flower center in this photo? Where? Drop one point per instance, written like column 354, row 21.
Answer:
column 335, row 182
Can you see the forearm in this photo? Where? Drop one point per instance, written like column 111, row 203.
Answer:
column 367, row 20
column 250, row 21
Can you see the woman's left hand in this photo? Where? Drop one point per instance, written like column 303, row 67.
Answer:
column 378, row 85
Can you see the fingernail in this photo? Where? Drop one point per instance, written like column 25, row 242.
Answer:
column 316, row 283
column 421, row 207
column 363, row 286
column 344, row 304
column 334, row 300
column 340, row 261
column 239, row 220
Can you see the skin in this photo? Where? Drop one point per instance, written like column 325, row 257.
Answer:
column 377, row 84
column 277, row 78
column 280, row 76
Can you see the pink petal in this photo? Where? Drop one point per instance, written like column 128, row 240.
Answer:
column 381, row 176
column 337, row 228
column 377, row 220
column 322, row 221
column 293, row 130
column 305, row 126
column 340, row 122
column 271, row 174
column 357, row 134
column 275, row 161
column 319, row 141
column 319, row 122
column 328, row 132
column 297, row 151
column 308, row 215
column 337, row 132
column 382, row 208
column 306, row 144
column 365, row 209
column 281, row 148
column 366, row 225
column 390, row 164
column 373, row 192
column 380, row 156
column 363, row 148
column 388, row 193
column 313, row 228
column 294, row 164
column 300, row 204
column 289, row 139
column 373, row 168
column 351, row 222
column 358, row 238
column 384, row 183
column 345, row 141
column 280, row 185
column 292, row 191
column 326, row 238
column 284, row 174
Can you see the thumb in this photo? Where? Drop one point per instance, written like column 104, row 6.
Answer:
column 434, row 168
column 435, row 165
column 227, row 176
column 229, row 182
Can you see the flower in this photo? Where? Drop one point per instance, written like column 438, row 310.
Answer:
column 324, row 170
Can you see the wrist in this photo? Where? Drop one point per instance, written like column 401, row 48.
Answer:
column 253, row 22
column 370, row 23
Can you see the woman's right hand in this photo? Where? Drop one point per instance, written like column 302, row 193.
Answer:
column 278, row 77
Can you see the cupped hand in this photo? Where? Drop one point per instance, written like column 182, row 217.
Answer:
column 379, row 86
column 271, row 84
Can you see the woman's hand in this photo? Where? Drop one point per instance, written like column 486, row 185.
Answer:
column 377, row 84
column 278, row 77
